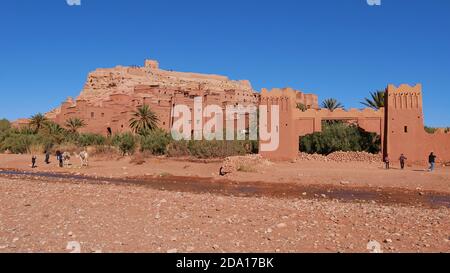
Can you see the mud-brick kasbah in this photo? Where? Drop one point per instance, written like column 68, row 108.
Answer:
column 110, row 96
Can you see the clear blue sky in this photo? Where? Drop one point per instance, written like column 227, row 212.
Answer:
column 333, row 48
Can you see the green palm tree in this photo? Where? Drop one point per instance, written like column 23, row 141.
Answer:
column 301, row 107
column 26, row 130
column 55, row 132
column 74, row 124
column 54, row 128
column 144, row 119
column 376, row 100
column 332, row 104
column 38, row 121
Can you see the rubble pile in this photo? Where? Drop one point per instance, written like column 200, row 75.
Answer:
column 354, row 156
column 235, row 163
column 312, row 157
column 343, row 157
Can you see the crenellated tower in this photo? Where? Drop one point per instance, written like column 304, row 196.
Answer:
column 404, row 127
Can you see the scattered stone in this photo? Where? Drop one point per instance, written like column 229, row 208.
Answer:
column 190, row 249
column 342, row 157
column 248, row 163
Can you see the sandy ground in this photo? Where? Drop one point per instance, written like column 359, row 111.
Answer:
column 38, row 216
column 46, row 214
column 348, row 174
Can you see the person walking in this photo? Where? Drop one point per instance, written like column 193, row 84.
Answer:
column 33, row 161
column 59, row 157
column 387, row 162
column 47, row 157
column 402, row 161
column 432, row 161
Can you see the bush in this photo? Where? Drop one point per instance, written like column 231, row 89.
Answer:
column 125, row 142
column 178, row 149
column 103, row 150
column 53, row 137
column 155, row 142
column 85, row 140
column 71, row 148
column 340, row 137
column 18, row 144
column 4, row 125
column 37, row 148
column 210, row 149
column 216, row 148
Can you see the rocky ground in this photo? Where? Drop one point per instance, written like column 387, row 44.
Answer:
column 304, row 171
column 46, row 216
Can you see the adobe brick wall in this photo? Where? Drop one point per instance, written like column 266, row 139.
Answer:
column 400, row 125
column 295, row 123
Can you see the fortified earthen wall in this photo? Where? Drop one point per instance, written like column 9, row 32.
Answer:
column 110, row 96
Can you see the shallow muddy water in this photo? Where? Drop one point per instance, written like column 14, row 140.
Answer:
column 253, row 189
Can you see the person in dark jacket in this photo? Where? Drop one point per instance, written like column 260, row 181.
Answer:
column 387, row 162
column 59, row 157
column 402, row 161
column 33, row 161
column 47, row 157
column 432, row 161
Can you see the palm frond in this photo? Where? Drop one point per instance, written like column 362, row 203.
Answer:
column 332, row 104
column 376, row 100
column 143, row 119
